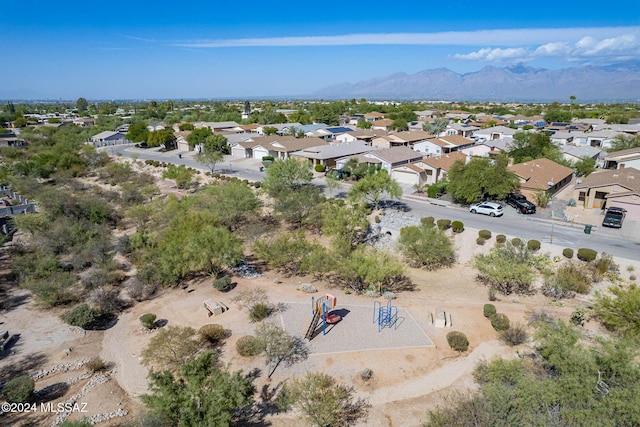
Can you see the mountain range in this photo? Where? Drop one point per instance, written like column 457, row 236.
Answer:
column 521, row 83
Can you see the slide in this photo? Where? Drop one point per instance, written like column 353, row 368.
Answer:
column 315, row 318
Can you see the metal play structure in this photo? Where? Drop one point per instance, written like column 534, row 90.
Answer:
column 385, row 315
column 321, row 311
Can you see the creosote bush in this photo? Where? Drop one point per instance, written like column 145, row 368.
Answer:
column 148, row 320
column 501, row 238
column 485, row 234
column 259, row 311
column 81, row 315
column 481, row 241
column 489, row 310
column 248, row 346
column 500, row 322
column 222, row 284
column 514, row 335
column 516, row 241
column 586, row 254
column 533, row 245
column 458, row 341
column 567, row 253
column 457, row 226
column 212, row 334
column 19, row 389
column 96, row 364
column 443, row 224
column 429, row 221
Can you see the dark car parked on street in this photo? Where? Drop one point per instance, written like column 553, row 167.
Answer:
column 613, row 217
column 521, row 203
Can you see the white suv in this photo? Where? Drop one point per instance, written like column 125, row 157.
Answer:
column 487, row 208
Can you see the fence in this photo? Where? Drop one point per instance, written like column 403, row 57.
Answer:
column 24, row 206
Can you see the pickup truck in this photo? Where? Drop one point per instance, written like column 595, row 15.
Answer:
column 613, row 217
column 521, row 203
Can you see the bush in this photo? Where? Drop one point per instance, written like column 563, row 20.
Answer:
column 568, row 279
column 501, row 238
column 19, row 389
column 480, row 241
column 443, row 224
column 515, row 335
column 458, row 341
column 211, row 334
column 586, row 254
column 579, row 316
column 148, row 320
column 81, row 315
column 457, row 226
column 485, row 234
column 428, row 221
column 268, row 158
column 533, row 245
column 489, row 310
column 259, row 311
column 605, row 264
column 492, row 294
column 96, row 364
column 223, row 284
column 436, row 189
column 567, row 253
column 377, row 219
column 516, row 242
column 320, row 168
column 500, row 322
column 248, row 346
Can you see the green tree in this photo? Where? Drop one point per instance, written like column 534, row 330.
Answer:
column 138, row 132
column 161, row 137
column 363, row 124
column 323, row 401
column 528, row 146
column 481, row 178
column 182, row 175
column 216, row 142
column 171, row 347
column 286, row 252
column 199, row 136
column 332, row 184
column 374, row 186
column 279, row 347
column 347, row 224
column 400, row 124
column 233, row 203
column 366, row 268
column 81, row 105
column 201, row 394
column 269, row 130
column 620, row 311
column 19, row 389
column 81, row 315
column 427, row 247
column 283, row 176
column 296, row 205
column 624, row 142
column 507, row 269
column 556, row 114
column 437, row 127
column 210, row 158
column 585, row 166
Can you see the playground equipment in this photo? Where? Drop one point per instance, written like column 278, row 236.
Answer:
column 320, row 310
column 385, row 315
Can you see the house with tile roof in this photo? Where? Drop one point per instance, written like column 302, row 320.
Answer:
column 365, row 135
column 382, row 124
column 462, row 129
column 495, row 132
column 327, row 154
column 373, row 116
column 541, row 175
column 282, row 128
column 281, row 147
column 610, row 188
column 154, row 126
column 436, row 168
column 388, row 158
column 629, row 158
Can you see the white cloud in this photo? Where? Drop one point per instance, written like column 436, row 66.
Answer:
column 496, row 55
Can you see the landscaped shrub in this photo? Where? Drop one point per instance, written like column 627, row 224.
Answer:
column 19, row 389
column 500, row 322
column 480, row 241
column 211, row 334
column 568, row 279
column 516, row 242
column 457, row 226
column 492, row 294
column 515, row 335
column 268, row 158
column 81, row 315
column 377, row 219
column 567, row 253
column 96, row 364
column 489, row 310
column 533, row 245
column 443, row 224
column 605, row 264
column 586, row 254
column 248, row 346
column 428, row 221
column 320, row 168
column 437, row 189
column 222, row 284
column 259, row 311
column 148, row 320
column 485, row 234
column 501, row 238
column 458, row 341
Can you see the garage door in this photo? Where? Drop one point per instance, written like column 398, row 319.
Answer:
column 238, row 151
column 259, row 153
column 633, row 210
column 405, row 177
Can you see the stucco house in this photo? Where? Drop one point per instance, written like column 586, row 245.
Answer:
column 382, row 124
column 610, row 188
column 541, row 175
column 108, row 138
column 387, row 158
column 573, row 153
column 154, row 126
column 629, row 158
column 281, row 147
column 438, row 167
column 327, row 154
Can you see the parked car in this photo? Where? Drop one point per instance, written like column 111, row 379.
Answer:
column 521, row 203
column 487, row 208
column 613, row 217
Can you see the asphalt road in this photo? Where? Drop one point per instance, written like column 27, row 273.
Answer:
column 615, row 242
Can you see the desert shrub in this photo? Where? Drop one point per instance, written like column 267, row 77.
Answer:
column 81, row 315
column 211, row 334
column 586, row 254
column 632, row 277
column 492, row 294
column 426, row 247
column 248, row 346
column 517, row 242
column 436, row 189
column 429, row 221
column 19, row 389
column 481, row 241
column 500, row 322
column 485, row 234
column 605, row 264
column 96, row 364
column 259, row 311
column 222, row 284
column 320, row 168
column 533, row 245
column 458, row 341
column 567, row 280
column 443, row 224
column 366, row 374
column 501, row 238
column 567, row 253
column 457, row 226
column 377, row 219
column 148, row 320
column 489, row 310
column 579, row 316
column 514, row 335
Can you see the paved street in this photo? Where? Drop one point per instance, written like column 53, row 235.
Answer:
column 624, row 242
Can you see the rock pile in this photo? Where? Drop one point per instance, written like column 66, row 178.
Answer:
column 63, row 367
column 99, row 418
column 246, row 270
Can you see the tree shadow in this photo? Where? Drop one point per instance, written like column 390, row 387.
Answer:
column 9, row 302
column 29, row 363
column 160, row 323
column 395, row 205
column 104, row 322
column 51, row 392
column 254, row 415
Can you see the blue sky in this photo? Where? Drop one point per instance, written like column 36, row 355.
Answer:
column 244, row 49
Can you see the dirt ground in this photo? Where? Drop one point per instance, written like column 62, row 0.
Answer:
column 406, row 382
